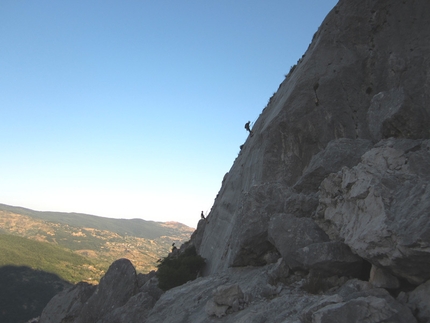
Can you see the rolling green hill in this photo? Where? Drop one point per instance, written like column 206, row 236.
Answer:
column 69, row 266
column 32, row 272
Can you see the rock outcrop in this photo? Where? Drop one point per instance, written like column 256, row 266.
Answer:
column 381, row 207
column 121, row 296
column 324, row 215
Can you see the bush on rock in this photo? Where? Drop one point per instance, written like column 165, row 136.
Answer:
column 176, row 270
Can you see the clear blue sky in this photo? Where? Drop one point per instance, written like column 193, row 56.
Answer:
column 135, row 109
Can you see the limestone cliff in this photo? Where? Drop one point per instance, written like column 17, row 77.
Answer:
column 365, row 77
column 324, row 215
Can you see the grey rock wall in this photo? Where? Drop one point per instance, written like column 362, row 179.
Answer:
column 359, row 82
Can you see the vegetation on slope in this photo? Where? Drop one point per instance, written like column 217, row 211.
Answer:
column 71, row 267
column 177, row 269
column 88, row 236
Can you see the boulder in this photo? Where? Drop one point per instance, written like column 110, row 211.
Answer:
column 381, row 207
column 338, row 153
column 359, row 301
column 289, row 233
column 225, row 298
column 305, row 246
column 214, row 309
column 379, row 277
column 270, row 291
column 419, row 300
column 327, row 258
column 228, row 295
column 354, row 288
column 116, row 287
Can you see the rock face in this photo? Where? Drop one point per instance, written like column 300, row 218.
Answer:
column 121, row 296
column 67, row 304
column 363, row 79
column 324, row 215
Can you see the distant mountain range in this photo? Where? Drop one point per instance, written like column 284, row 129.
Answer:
column 97, row 240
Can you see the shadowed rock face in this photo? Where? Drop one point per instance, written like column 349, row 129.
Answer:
column 121, row 296
column 114, row 290
column 334, row 185
column 364, row 78
column 67, row 304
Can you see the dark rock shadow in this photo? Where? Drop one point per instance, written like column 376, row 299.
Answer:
column 24, row 292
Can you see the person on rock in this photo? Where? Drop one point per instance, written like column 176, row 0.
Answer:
column 248, row 128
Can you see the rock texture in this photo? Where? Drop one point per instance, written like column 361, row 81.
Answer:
column 324, row 215
column 68, row 304
column 381, row 207
column 419, row 302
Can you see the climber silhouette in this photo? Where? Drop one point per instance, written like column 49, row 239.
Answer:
column 202, row 216
column 247, row 128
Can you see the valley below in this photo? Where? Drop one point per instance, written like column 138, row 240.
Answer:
column 142, row 242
